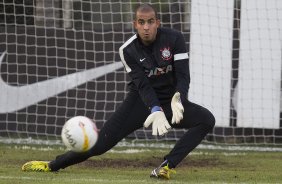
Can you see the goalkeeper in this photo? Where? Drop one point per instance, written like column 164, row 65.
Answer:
column 156, row 60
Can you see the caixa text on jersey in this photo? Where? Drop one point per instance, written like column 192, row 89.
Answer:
column 159, row 71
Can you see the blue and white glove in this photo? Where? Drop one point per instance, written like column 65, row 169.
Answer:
column 158, row 120
column 177, row 109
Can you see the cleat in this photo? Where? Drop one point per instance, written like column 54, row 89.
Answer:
column 162, row 172
column 39, row 166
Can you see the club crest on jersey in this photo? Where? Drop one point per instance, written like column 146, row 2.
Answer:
column 166, row 54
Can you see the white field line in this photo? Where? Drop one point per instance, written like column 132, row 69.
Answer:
column 136, row 144
column 127, row 151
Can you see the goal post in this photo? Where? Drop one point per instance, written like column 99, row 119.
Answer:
column 59, row 59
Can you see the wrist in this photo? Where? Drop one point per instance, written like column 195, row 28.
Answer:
column 178, row 96
column 156, row 108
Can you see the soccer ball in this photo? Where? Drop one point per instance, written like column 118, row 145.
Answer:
column 79, row 134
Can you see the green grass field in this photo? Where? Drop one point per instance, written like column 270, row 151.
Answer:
column 132, row 165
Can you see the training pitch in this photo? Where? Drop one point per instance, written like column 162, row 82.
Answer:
column 124, row 165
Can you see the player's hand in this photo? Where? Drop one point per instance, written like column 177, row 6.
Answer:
column 159, row 123
column 177, row 109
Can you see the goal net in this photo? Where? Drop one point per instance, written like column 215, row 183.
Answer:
column 59, row 59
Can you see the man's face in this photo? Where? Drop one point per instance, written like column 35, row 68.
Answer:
column 146, row 25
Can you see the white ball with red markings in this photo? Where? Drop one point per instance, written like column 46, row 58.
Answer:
column 79, row 134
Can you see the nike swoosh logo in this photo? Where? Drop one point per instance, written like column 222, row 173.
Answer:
column 141, row 60
column 13, row 98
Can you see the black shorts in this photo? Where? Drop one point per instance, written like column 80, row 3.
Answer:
column 132, row 113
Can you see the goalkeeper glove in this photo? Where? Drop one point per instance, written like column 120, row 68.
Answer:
column 158, row 120
column 177, row 108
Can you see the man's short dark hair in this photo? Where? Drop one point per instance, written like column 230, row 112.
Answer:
column 144, row 7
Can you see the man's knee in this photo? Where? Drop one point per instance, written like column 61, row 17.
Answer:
column 210, row 120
